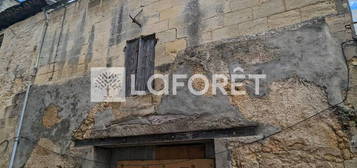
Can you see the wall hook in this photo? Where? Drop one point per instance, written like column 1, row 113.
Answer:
column 134, row 18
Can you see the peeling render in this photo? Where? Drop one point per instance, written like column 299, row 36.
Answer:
column 306, row 51
column 282, row 55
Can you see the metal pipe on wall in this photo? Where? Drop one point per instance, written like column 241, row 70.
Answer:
column 22, row 114
column 18, row 130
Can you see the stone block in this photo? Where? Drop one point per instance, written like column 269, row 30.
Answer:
column 171, row 12
column 284, row 19
column 166, row 53
column 59, row 76
column 82, row 56
column 148, row 2
column 45, row 69
column 268, row 8
column 98, row 62
column 238, row 16
column 131, row 33
column 158, row 6
column 166, row 36
column 320, row 9
column 175, row 46
column 179, row 2
column 225, row 32
column 211, row 8
column 70, row 71
column 336, row 23
column 242, row 4
column 118, row 55
column 178, row 21
column 211, row 24
column 209, row 12
column 117, row 50
column 134, row 4
column 156, row 27
column 3, row 133
column 160, row 55
column 119, row 61
column 11, row 122
column 152, row 19
column 11, row 111
column 42, row 79
column 181, row 32
column 292, row 4
column 253, row 27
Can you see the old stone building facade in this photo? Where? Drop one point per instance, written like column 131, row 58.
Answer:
column 299, row 119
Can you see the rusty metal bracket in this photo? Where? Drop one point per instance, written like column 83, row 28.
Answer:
column 134, row 18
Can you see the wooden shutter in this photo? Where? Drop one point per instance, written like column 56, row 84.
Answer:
column 140, row 60
column 146, row 61
column 131, row 62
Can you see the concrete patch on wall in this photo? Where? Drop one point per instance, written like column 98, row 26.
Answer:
column 292, row 52
column 71, row 103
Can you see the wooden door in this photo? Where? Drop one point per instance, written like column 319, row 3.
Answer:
column 194, row 163
column 173, row 156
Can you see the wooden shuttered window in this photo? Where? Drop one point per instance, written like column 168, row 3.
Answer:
column 140, row 60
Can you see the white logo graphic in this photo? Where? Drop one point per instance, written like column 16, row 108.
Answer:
column 107, row 84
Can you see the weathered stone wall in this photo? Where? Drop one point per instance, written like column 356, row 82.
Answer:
column 95, row 33
column 17, row 54
column 305, row 69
